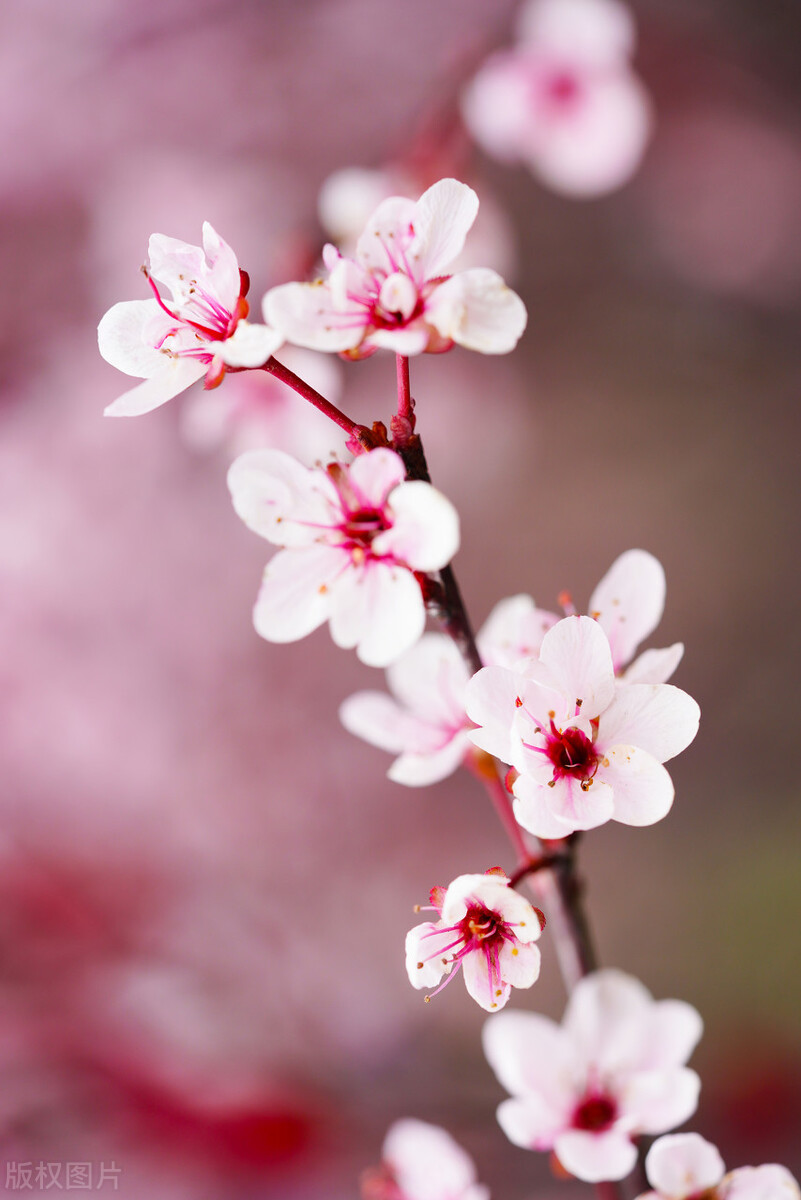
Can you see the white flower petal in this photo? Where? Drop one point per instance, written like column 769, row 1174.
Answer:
column 128, row 334
column 375, row 475
column 532, row 1057
column 426, row 944
column 490, row 701
column 295, row 593
column 628, row 602
column 654, row 666
column 513, row 632
column 482, row 982
column 386, row 235
column 223, row 268
column 594, row 1157
column 577, row 655
column 642, row 790
column 428, row 1164
column 430, row 680
column 657, row 717
column 442, row 219
column 533, row 810
column 419, row 770
column 380, row 720
column 280, row 499
column 250, row 345
column 529, row 1121
column 176, row 376
column 598, row 32
column 412, row 340
column 551, row 812
column 604, row 1016
column 496, row 106
column 520, row 965
column 477, row 310
column 770, row 1182
column 379, row 609
column 681, row 1164
column 305, row 314
column 655, row 1101
column 425, row 530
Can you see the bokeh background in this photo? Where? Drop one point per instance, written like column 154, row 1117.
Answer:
column 204, row 882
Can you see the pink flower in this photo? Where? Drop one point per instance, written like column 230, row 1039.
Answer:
column 353, row 536
column 628, row 604
column 684, row 1165
column 395, row 293
column 486, row 928
column 614, row 1069
column 200, row 331
column 422, row 1162
column 564, row 100
column 587, row 748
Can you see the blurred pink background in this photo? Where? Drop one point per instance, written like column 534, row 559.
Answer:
column 205, row 882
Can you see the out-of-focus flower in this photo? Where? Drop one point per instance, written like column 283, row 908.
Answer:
column 201, row 331
column 614, row 1069
column 353, row 536
column 682, row 1165
column 422, row 1162
column 565, row 100
column 255, row 410
column 395, row 294
column 485, row 927
column 587, row 749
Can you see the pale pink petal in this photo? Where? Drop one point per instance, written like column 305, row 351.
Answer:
column 520, row 965
column 587, row 31
column 654, row 666
column 532, row 1057
column 419, row 770
column 496, row 106
column 534, row 811
column 770, row 1182
column 642, row 790
column 348, row 198
column 425, row 532
column 675, row 1030
column 223, row 269
column 604, row 1016
column 490, row 701
column 656, row 1101
column 410, row 341
column 374, row 475
column 176, row 263
column 482, row 982
column 429, row 954
column 128, row 336
column 304, row 313
column 430, row 680
column 295, row 594
column 442, row 219
column 477, row 310
column 380, row 720
column 681, row 1164
column 379, row 609
column 594, row 1157
column 579, row 661
column 628, row 602
column 529, row 1121
column 280, row 499
column 657, row 717
column 551, row 812
column 428, row 1164
column 389, row 230
column 513, row 632
column 598, row 145
column 176, row 375
column 250, row 345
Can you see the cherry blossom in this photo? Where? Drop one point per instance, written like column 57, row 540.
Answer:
column 564, row 100
column 628, row 604
column 685, row 1165
column 587, row 748
column 486, row 928
column 353, row 536
column 199, row 332
column 395, row 293
column 422, row 1162
column 613, row 1069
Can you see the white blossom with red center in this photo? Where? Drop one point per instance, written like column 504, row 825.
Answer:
column 396, row 293
column 353, row 538
column 486, row 928
column 198, row 331
column 422, row 1162
column 613, row 1070
column 587, row 748
column 565, row 100
column 684, row 1166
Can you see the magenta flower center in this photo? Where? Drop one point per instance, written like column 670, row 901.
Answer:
column 596, row 1113
column 572, row 754
column 562, row 88
column 363, row 525
column 484, row 929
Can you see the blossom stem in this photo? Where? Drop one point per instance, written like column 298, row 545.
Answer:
column 358, row 432
column 402, row 424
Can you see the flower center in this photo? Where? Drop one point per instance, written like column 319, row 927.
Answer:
column 596, row 1113
column 482, row 927
column 561, row 88
column 572, row 753
column 364, row 524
